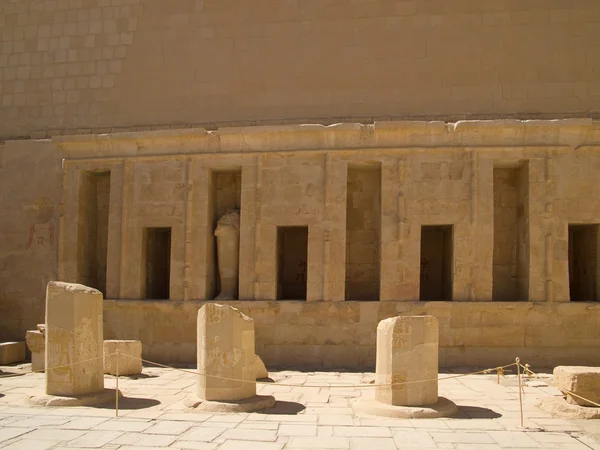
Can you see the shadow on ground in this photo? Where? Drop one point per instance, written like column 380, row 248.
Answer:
column 266, row 380
column 139, row 376
column 284, row 408
column 131, row 403
column 476, row 412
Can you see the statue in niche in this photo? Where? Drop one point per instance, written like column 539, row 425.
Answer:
column 228, row 253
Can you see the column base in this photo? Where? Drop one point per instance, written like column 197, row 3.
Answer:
column 443, row 408
column 558, row 406
column 255, row 403
column 95, row 399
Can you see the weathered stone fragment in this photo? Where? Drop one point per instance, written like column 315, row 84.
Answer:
column 407, row 351
column 259, row 368
column 130, row 362
column 74, row 341
column 36, row 341
column 12, row 352
column 225, row 349
column 581, row 380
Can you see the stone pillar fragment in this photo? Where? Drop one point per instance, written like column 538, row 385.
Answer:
column 225, row 349
column 36, row 341
column 73, row 335
column 407, row 371
column 407, row 350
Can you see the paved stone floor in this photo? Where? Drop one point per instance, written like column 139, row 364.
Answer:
column 153, row 416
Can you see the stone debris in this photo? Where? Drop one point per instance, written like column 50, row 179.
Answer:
column 12, row 352
column 130, row 362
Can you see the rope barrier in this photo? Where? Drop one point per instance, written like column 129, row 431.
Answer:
column 328, row 386
column 499, row 370
column 57, row 367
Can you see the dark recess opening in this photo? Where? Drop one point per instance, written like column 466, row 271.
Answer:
column 363, row 232
column 157, row 263
column 292, row 258
column 583, row 262
column 436, row 263
column 94, row 202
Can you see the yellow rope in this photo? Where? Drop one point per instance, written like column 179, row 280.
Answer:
column 527, row 368
column 499, row 369
column 329, row 386
column 57, row 367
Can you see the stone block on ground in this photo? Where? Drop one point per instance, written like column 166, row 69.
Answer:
column 129, row 360
column 12, row 352
column 74, row 340
column 36, row 342
column 581, row 380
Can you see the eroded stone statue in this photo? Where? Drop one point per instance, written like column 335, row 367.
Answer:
column 228, row 254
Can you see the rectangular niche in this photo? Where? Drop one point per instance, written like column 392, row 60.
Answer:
column 436, row 263
column 92, row 248
column 510, row 266
column 363, row 232
column 157, row 263
column 583, row 262
column 226, row 194
column 292, row 262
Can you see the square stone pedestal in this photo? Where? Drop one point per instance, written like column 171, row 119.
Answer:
column 226, row 362
column 407, row 370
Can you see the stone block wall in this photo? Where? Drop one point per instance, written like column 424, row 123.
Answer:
column 428, row 175
column 327, row 335
column 71, row 66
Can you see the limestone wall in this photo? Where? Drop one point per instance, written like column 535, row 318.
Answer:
column 30, row 190
column 431, row 174
column 343, row 334
column 78, row 65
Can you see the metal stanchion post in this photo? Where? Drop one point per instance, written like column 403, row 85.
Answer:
column 518, row 361
column 117, row 388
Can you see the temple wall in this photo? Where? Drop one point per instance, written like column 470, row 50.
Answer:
column 328, row 335
column 30, row 187
column 167, row 188
column 71, row 66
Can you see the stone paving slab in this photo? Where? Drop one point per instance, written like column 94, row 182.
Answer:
column 318, row 416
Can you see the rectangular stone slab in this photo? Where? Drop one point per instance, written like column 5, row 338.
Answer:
column 582, row 380
column 12, row 352
column 130, row 362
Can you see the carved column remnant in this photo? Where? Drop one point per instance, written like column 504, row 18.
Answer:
column 407, row 351
column 228, row 253
column 74, row 341
column 407, row 369
column 225, row 349
column 226, row 362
